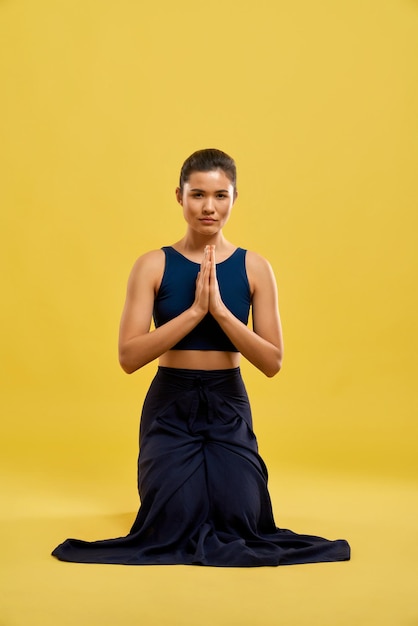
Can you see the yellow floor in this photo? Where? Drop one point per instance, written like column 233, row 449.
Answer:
column 378, row 586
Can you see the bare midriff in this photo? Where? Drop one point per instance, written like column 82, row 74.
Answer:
column 200, row 359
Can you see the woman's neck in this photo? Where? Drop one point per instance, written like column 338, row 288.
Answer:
column 193, row 245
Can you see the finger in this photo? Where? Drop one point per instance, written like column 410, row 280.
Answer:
column 206, row 256
column 213, row 275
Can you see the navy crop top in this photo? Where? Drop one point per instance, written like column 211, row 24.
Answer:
column 177, row 293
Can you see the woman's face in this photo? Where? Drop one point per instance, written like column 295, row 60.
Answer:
column 207, row 199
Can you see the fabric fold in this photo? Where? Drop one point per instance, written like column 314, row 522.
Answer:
column 202, row 485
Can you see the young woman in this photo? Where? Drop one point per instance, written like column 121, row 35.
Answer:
column 202, row 483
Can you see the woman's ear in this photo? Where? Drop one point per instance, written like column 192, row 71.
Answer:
column 179, row 196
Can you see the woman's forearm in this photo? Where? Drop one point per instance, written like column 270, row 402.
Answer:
column 261, row 353
column 137, row 351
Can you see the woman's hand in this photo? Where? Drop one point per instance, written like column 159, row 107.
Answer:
column 216, row 305
column 201, row 301
column 207, row 295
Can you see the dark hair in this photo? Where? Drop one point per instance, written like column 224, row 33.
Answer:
column 207, row 160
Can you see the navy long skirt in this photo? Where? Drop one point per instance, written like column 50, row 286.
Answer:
column 202, row 484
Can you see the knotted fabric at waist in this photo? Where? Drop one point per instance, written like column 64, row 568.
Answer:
column 201, row 386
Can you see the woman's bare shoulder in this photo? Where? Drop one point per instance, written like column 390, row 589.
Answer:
column 257, row 262
column 259, row 269
column 148, row 267
column 153, row 259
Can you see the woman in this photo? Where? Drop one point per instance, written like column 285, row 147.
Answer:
column 202, row 484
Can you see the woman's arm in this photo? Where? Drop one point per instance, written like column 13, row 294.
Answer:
column 262, row 346
column 137, row 345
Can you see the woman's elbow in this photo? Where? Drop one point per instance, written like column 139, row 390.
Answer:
column 127, row 369
column 271, row 372
column 126, row 364
column 274, row 367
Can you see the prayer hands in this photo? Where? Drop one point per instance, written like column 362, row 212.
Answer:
column 207, row 295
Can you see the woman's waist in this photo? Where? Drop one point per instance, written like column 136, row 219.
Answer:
column 200, row 360
column 170, row 381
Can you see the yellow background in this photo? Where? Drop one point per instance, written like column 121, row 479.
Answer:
column 100, row 104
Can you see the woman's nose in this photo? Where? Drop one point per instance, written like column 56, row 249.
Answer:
column 208, row 207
